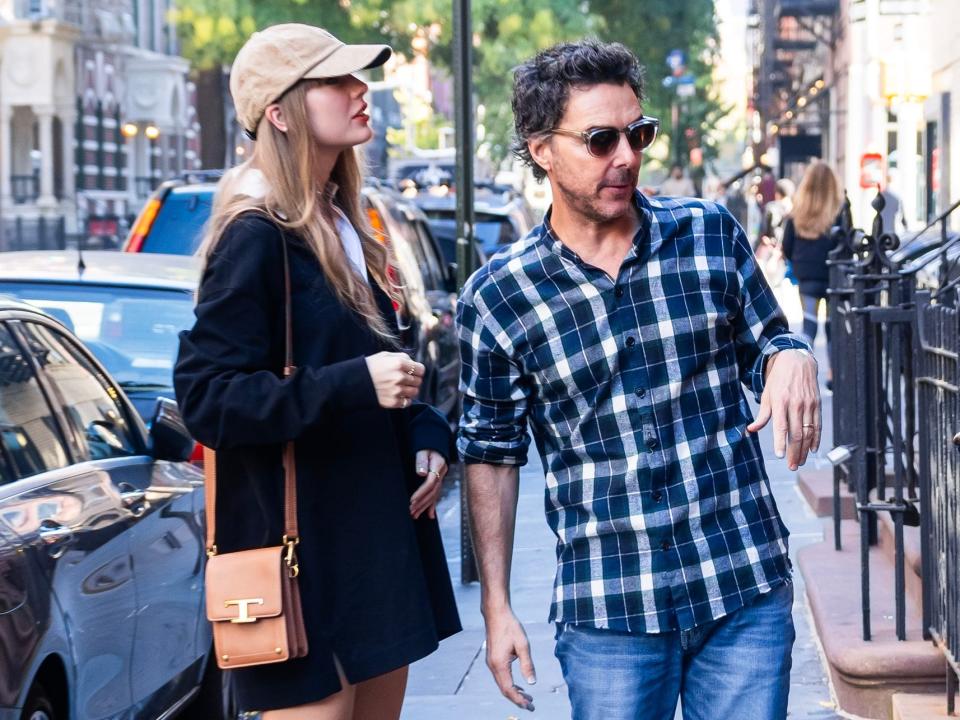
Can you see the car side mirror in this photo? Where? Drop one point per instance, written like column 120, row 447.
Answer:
column 169, row 438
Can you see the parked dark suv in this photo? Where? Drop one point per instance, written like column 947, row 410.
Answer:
column 101, row 543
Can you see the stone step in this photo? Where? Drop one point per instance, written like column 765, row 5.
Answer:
column 913, row 564
column 816, row 484
column 866, row 674
column 911, row 706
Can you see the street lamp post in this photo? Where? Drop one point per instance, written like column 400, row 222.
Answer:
column 463, row 120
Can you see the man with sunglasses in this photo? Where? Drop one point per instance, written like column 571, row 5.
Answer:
column 622, row 329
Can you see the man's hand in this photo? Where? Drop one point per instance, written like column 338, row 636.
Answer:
column 791, row 397
column 506, row 642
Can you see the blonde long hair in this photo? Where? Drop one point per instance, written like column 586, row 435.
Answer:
column 816, row 202
column 289, row 162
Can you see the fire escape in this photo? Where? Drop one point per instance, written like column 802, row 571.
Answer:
column 797, row 39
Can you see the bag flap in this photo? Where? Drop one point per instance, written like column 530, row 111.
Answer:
column 245, row 584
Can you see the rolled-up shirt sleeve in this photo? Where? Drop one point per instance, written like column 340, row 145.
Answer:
column 761, row 328
column 493, row 428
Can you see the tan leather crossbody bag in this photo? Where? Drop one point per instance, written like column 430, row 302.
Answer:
column 253, row 600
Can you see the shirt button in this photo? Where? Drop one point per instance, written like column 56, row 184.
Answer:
column 640, row 392
column 618, row 292
column 631, row 341
column 657, row 496
column 651, row 443
column 665, row 545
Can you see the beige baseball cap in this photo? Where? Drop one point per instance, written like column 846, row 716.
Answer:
column 274, row 59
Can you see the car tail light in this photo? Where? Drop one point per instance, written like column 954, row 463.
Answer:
column 376, row 222
column 142, row 227
column 196, row 457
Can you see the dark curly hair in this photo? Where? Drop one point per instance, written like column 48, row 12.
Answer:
column 541, row 86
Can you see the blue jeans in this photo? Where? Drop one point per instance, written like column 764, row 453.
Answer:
column 735, row 667
column 811, row 307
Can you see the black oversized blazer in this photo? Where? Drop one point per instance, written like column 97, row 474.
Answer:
column 375, row 585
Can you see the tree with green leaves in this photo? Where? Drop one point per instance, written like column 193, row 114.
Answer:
column 652, row 29
column 506, row 32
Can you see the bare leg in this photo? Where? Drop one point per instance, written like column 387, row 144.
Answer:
column 338, row 706
column 380, row 698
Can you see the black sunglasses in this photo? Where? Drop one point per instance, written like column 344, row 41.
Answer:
column 603, row 140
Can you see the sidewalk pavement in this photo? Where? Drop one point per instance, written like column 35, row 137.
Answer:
column 455, row 684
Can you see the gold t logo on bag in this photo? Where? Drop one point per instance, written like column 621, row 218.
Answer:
column 243, row 606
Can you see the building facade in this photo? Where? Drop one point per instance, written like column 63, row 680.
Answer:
column 870, row 86
column 95, row 110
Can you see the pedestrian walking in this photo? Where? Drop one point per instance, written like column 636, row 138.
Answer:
column 621, row 329
column 775, row 213
column 676, row 184
column 769, row 247
column 892, row 211
column 373, row 579
column 807, row 241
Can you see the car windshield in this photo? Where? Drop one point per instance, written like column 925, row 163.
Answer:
column 178, row 227
column 491, row 231
column 132, row 331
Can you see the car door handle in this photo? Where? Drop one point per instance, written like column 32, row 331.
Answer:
column 130, row 496
column 133, row 499
column 53, row 533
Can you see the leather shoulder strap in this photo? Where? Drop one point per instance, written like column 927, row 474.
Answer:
column 289, row 455
column 291, row 532
column 210, row 496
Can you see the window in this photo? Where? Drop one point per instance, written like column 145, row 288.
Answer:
column 178, row 228
column 410, row 235
column 437, row 269
column 131, row 331
column 90, row 400
column 30, row 441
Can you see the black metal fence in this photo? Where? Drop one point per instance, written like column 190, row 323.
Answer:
column 896, row 409
column 938, row 396
column 33, row 234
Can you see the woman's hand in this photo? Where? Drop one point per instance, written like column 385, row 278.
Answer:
column 432, row 466
column 396, row 378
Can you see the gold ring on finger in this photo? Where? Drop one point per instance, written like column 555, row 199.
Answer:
column 412, row 370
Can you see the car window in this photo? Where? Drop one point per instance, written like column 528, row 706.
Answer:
column 491, row 232
column 178, row 227
column 431, row 255
column 8, row 473
column 133, row 332
column 90, row 400
column 30, row 441
column 445, row 234
column 412, row 242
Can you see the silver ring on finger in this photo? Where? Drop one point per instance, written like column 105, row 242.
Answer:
column 406, row 400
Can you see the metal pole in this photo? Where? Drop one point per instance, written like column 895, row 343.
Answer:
column 463, row 121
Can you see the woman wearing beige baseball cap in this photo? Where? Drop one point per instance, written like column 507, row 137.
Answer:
column 369, row 458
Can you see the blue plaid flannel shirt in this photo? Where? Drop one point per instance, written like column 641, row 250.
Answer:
column 657, row 495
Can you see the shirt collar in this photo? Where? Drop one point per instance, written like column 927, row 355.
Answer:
column 641, row 241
